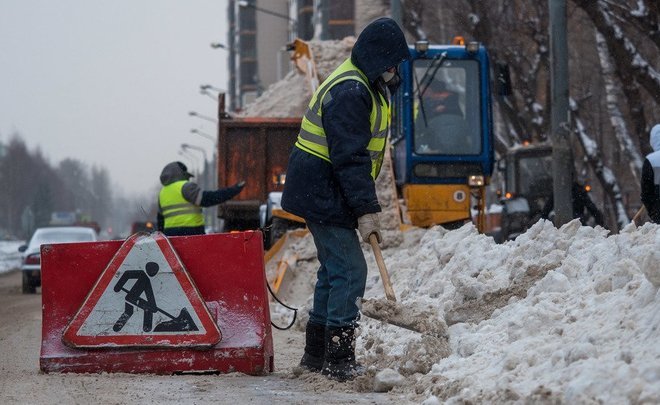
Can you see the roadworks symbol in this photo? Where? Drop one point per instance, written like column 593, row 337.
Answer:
column 144, row 298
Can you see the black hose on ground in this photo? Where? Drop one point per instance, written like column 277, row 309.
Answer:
column 295, row 310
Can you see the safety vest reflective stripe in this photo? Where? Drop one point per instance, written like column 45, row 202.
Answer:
column 312, row 137
column 175, row 206
column 176, row 210
column 193, row 210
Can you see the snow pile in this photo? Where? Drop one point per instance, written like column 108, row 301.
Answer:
column 10, row 257
column 566, row 315
column 290, row 96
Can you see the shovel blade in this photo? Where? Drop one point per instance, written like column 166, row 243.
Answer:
column 397, row 314
column 181, row 323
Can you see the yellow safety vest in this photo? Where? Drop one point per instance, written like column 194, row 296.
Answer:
column 312, row 137
column 176, row 210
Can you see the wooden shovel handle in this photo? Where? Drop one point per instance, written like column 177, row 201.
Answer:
column 389, row 291
column 638, row 214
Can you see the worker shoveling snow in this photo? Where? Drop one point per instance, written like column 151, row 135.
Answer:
column 566, row 315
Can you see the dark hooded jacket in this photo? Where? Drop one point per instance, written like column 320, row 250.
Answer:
column 339, row 192
column 191, row 192
column 651, row 177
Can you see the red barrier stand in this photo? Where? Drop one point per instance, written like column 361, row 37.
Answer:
column 160, row 305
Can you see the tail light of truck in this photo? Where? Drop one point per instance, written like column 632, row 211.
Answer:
column 33, row 259
column 279, row 179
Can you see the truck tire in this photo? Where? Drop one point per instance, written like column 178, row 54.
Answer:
column 28, row 284
column 278, row 228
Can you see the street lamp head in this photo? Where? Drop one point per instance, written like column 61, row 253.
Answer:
column 203, row 134
column 204, row 117
column 205, row 87
column 243, row 3
column 216, row 45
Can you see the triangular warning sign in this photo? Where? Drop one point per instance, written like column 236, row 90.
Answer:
column 144, row 298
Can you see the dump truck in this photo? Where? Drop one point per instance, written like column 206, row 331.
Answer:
column 255, row 149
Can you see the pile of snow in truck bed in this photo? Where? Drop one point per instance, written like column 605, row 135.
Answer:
column 290, row 96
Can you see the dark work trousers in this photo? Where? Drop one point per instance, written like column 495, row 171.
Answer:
column 341, row 278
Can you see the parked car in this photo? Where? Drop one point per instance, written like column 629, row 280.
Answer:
column 31, row 253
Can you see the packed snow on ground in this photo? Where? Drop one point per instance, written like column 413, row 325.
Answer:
column 569, row 315
column 10, row 257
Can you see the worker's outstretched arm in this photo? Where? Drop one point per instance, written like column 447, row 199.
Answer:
column 203, row 198
column 210, row 198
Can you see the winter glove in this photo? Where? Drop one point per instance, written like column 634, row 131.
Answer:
column 236, row 188
column 211, row 198
column 368, row 224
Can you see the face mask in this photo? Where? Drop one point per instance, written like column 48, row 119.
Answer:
column 387, row 76
column 391, row 80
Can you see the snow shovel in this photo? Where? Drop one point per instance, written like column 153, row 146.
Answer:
column 639, row 213
column 393, row 313
column 181, row 323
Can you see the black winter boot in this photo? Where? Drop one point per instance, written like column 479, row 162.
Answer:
column 314, row 354
column 340, row 361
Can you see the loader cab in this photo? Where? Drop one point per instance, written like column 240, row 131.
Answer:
column 527, row 187
column 442, row 130
column 442, row 120
column 528, row 174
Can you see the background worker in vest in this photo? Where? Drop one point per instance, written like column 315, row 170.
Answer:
column 331, row 184
column 651, row 177
column 180, row 201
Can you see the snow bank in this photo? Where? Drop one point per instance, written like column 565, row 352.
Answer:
column 567, row 315
column 10, row 257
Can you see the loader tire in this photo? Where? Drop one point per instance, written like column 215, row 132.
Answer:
column 278, row 228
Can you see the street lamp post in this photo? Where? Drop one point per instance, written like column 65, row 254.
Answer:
column 192, row 159
column 210, row 216
column 185, row 147
column 214, row 172
column 232, row 74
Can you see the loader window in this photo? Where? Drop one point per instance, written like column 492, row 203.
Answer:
column 535, row 176
column 447, row 116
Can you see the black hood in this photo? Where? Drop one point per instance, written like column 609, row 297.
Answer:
column 380, row 46
column 173, row 172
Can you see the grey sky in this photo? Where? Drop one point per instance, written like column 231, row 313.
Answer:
column 111, row 82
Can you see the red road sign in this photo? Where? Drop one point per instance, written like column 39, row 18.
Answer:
column 228, row 271
column 143, row 298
